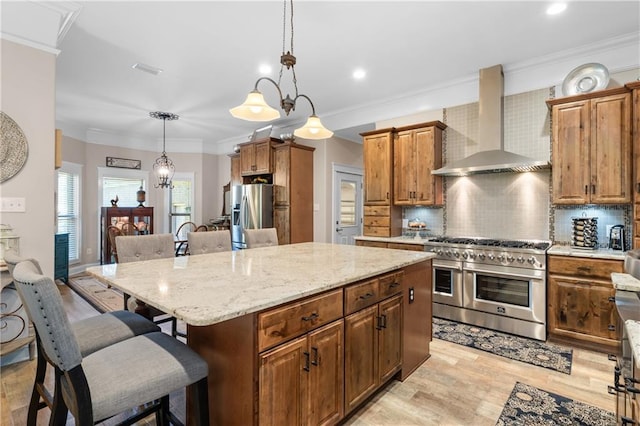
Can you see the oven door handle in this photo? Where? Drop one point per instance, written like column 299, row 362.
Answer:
column 504, row 274
column 435, row 265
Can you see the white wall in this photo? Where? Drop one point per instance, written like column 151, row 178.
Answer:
column 28, row 97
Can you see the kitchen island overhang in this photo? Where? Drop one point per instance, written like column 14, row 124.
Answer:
column 224, row 298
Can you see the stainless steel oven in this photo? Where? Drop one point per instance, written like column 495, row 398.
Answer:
column 447, row 282
column 515, row 293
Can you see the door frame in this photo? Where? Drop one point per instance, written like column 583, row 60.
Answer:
column 335, row 197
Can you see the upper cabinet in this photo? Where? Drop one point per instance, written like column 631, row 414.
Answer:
column 635, row 87
column 591, row 148
column 255, row 158
column 236, row 177
column 417, row 151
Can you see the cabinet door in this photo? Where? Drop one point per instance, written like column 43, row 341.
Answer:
column 361, row 356
column 404, row 168
column 425, row 162
column 326, row 375
column 281, row 222
column 281, row 176
column 236, row 175
column 247, row 159
column 390, row 340
column 611, row 149
column 283, row 384
column 378, row 163
column 262, row 157
column 570, row 153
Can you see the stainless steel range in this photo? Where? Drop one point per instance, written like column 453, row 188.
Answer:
column 496, row 284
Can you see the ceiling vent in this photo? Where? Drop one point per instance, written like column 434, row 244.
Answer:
column 146, row 68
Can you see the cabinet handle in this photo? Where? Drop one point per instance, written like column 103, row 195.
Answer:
column 611, row 327
column 593, row 189
column 365, row 296
column 638, row 187
column 310, row 317
column 314, row 361
column 612, row 299
column 586, row 189
column 306, row 361
column 383, row 320
column 387, row 195
column 584, row 269
column 394, row 284
column 378, row 323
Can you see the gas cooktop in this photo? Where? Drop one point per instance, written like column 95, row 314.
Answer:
column 522, row 244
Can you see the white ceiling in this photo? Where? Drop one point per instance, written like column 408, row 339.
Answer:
column 210, row 52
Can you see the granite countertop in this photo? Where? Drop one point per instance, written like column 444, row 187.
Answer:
column 403, row 239
column 565, row 250
column 210, row 288
column 625, row 282
column 633, row 331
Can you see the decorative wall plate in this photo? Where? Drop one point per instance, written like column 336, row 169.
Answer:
column 13, row 148
column 585, row 78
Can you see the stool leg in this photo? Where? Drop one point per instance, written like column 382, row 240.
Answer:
column 59, row 409
column 201, row 398
column 38, row 384
column 163, row 417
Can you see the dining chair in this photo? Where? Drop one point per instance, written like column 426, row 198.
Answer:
column 265, row 237
column 182, row 246
column 129, row 228
column 112, row 233
column 209, row 242
column 146, row 247
column 92, row 334
column 202, row 228
column 136, row 372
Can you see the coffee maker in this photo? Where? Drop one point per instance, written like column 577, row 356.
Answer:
column 616, row 237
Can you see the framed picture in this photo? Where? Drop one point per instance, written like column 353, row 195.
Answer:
column 123, row 163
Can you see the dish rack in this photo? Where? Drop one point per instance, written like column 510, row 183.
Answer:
column 585, row 233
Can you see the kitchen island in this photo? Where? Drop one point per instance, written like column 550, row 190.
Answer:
column 300, row 333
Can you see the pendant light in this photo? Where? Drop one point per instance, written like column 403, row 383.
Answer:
column 163, row 167
column 255, row 108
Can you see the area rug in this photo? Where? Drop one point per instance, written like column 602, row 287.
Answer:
column 530, row 406
column 531, row 351
column 97, row 294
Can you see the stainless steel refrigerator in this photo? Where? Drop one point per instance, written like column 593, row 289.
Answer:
column 252, row 208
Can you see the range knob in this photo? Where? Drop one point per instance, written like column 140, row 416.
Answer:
column 532, row 260
column 472, row 255
column 510, row 259
column 520, row 259
column 448, row 253
column 491, row 256
column 465, row 255
column 456, row 254
column 481, row 256
column 434, row 250
column 501, row 258
column 439, row 252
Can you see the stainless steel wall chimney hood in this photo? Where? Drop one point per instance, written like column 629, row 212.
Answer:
column 492, row 158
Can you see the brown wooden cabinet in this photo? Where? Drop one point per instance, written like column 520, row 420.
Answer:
column 236, row 176
column 581, row 306
column 301, row 381
column 381, row 217
column 293, row 197
column 373, row 349
column 591, row 148
column 255, row 158
column 417, row 151
column 142, row 217
column 635, row 138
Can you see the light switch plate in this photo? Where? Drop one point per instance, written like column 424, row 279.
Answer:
column 13, row 205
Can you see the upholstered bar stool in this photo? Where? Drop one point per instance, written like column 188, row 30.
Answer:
column 265, row 237
column 146, row 247
column 142, row 370
column 92, row 334
column 209, row 242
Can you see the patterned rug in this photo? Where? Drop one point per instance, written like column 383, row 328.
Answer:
column 97, row 294
column 531, row 351
column 531, row 406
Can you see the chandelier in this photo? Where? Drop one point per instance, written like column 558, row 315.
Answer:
column 255, row 108
column 163, row 167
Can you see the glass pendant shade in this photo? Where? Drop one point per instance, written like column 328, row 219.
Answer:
column 164, row 170
column 313, row 129
column 255, row 108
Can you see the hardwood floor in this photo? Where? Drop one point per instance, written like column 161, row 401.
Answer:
column 456, row 386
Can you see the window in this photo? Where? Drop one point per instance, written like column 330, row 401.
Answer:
column 181, row 200
column 121, row 187
column 68, row 207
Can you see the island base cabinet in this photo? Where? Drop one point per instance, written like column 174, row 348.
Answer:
column 301, row 381
column 373, row 349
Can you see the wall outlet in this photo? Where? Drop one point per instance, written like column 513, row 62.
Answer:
column 89, row 251
column 13, row 204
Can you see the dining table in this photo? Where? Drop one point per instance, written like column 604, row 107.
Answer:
column 219, row 295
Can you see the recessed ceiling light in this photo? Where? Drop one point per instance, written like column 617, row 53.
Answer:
column 359, row 74
column 146, row 68
column 556, row 8
column 264, row 69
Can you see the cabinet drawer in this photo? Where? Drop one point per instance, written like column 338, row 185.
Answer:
column 280, row 324
column 360, row 296
column 379, row 244
column 377, row 210
column 636, row 228
column 582, row 267
column 377, row 221
column 376, row 231
column 411, row 247
column 390, row 284
column 637, row 214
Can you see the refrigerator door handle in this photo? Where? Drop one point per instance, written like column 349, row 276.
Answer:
column 243, row 212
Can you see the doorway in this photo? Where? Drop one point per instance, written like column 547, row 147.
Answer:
column 347, row 204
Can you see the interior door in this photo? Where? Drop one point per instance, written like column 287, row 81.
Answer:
column 347, row 195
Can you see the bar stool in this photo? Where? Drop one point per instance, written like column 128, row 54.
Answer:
column 265, row 237
column 209, row 242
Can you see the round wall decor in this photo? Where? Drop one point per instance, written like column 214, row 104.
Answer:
column 13, row 148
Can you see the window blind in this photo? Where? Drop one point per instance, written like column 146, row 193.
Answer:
column 69, row 211
column 124, row 188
